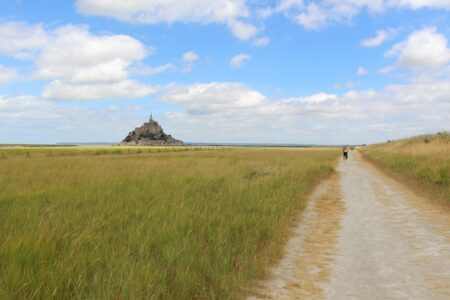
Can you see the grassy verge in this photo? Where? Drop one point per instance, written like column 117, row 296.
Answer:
column 423, row 162
column 178, row 225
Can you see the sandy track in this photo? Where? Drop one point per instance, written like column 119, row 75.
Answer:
column 307, row 256
column 388, row 247
column 377, row 241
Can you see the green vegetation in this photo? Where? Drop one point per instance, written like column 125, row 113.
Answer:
column 33, row 151
column 123, row 223
column 421, row 161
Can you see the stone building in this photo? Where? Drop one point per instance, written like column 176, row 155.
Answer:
column 150, row 134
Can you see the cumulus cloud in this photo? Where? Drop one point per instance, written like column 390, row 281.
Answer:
column 211, row 98
column 417, row 4
column 227, row 111
column 78, row 56
column 242, row 30
column 232, row 13
column 30, row 119
column 423, row 49
column 313, row 18
column 239, row 60
column 125, row 89
column 21, row 40
column 235, row 112
column 7, row 75
column 316, row 15
column 380, row 37
column 77, row 61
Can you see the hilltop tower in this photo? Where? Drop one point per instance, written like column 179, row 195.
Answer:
column 150, row 134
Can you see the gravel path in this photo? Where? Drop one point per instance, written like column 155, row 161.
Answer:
column 364, row 236
column 391, row 245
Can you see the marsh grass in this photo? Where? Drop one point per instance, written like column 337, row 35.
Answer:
column 49, row 151
column 161, row 225
column 423, row 162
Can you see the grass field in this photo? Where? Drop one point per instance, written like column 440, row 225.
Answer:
column 423, row 162
column 121, row 223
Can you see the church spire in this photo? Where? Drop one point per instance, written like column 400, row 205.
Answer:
column 151, row 117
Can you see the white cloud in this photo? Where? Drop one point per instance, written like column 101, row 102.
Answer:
column 77, row 56
column 239, row 60
column 287, row 4
column 78, row 62
column 282, row 6
column 313, row 99
column 316, row 15
column 234, row 112
column 242, row 30
column 210, row 98
column 7, row 75
column 84, row 66
column 314, row 18
column 380, row 37
column 362, row 71
column 21, row 40
column 417, row 4
column 190, row 57
column 148, row 71
column 125, row 89
column 261, row 42
column 29, row 119
column 232, row 13
column 423, row 49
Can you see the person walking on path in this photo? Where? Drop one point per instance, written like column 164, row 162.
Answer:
column 345, row 153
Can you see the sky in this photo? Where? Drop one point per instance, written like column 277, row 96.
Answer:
column 224, row 71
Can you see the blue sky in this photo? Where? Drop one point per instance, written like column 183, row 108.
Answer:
column 288, row 71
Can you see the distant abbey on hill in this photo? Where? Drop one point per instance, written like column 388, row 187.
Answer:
column 150, row 134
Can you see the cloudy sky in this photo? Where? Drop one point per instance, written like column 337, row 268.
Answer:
column 272, row 71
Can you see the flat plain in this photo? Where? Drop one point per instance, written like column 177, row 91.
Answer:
column 131, row 223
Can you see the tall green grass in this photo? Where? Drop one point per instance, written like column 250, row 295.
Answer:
column 422, row 162
column 178, row 225
column 37, row 151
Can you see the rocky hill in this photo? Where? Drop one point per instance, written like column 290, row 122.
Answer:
column 150, row 134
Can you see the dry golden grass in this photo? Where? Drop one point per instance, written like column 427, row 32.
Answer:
column 102, row 224
column 423, row 162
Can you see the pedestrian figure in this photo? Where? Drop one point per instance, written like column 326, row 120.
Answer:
column 345, row 153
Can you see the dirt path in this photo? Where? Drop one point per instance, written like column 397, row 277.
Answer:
column 392, row 245
column 377, row 241
column 305, row 264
